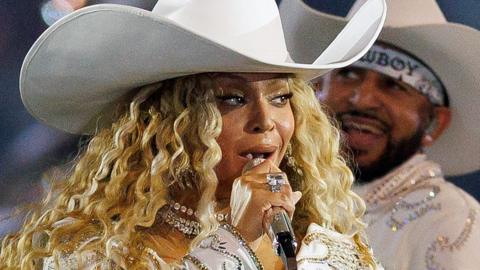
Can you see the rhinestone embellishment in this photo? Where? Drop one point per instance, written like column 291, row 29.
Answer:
column 187, row 225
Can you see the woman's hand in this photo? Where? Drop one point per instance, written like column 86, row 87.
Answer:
column 252, row 202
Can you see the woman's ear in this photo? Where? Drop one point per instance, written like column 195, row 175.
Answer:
column 439, row 123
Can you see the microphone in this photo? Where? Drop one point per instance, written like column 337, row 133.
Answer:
column 283, row 238
column 280, row 230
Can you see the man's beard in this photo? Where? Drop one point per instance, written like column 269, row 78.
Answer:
column 395, row 154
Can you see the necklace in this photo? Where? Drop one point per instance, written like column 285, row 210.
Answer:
column 182, row 208
column 188, row 225
column 190, row 228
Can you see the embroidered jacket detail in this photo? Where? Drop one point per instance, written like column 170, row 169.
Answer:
column 339, row 255
column 244, row 244
column 413, row 210
column 442, row 243
column 213, row 242
column 196, row 262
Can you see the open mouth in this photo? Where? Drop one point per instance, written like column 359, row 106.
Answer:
column 363, row 124
column 259, row 151
column 252, row 155
column 348, row 126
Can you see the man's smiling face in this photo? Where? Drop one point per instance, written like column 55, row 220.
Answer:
column 383, row 119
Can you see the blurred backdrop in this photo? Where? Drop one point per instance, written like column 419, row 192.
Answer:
column 28, row 148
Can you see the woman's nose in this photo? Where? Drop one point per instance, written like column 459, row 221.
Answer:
column 261, row 118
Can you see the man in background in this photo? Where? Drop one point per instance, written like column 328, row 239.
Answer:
column 394, row 107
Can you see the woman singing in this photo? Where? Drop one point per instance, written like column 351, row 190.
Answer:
column 202, row 133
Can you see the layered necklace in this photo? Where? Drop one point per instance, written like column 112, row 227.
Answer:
column 184, row 219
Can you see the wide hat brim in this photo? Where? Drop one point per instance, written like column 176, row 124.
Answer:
column 81, row 68
column 451, row 50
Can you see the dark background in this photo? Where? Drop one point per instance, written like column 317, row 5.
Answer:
column 28, row 148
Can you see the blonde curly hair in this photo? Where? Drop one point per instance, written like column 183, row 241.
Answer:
column 130, row 170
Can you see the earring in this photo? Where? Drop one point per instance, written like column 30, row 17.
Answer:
column 428, row 138
column 291, row 161
column 185, row 178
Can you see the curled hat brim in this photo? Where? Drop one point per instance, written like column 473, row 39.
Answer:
column 81, row 68
column 452, row 51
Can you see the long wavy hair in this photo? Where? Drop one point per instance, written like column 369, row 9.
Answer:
column 129, row 171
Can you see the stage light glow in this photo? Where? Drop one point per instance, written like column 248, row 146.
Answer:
column 53, row 10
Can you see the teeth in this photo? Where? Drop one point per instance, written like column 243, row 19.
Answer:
column 364, row 128
column 255, row 155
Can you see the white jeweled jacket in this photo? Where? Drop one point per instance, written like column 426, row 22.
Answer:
column 321, row 249
column 417, row 220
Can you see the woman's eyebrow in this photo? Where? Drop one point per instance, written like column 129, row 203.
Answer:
column 276, row 81
column 276, row 85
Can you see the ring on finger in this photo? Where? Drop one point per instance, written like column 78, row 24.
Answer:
column 276, row 180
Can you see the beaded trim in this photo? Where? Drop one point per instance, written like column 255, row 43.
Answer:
column 394, row 188
column 397, row 184
column 153, row 256
column 196, row 262
column 243, row 243
column 442, row 243
column 212, row 242
column 340, row 255
column 416, row 209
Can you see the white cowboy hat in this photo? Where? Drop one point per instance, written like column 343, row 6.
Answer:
column 419, row 27
column 82, row 66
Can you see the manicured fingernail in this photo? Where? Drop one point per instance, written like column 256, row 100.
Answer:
column 252, row 163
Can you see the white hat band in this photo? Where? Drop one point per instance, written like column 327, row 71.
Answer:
column 404, row 67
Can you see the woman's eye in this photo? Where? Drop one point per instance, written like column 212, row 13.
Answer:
column 282, row 99
column 232, row 100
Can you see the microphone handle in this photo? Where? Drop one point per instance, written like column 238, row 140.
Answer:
column 280, row 229
column 283, row 238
